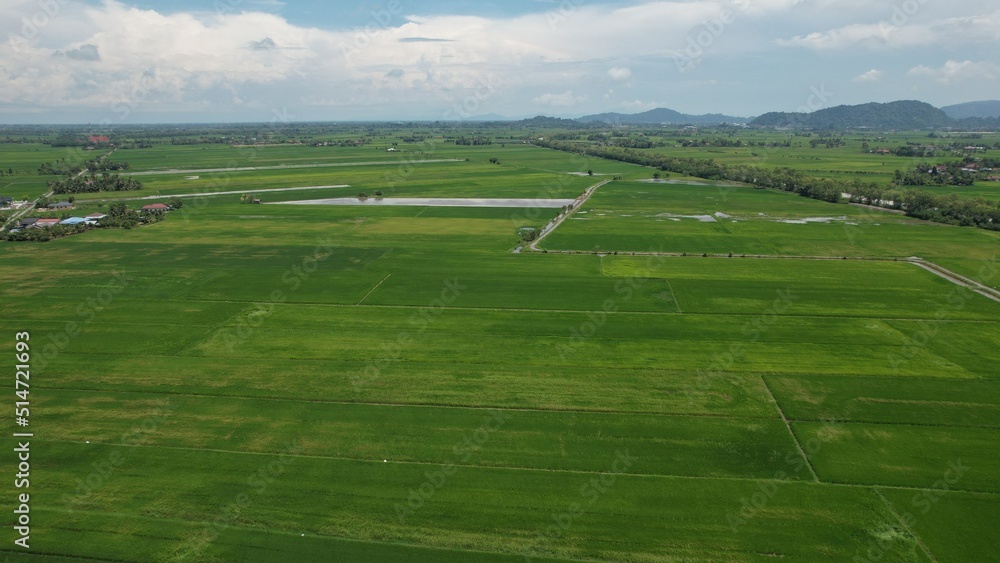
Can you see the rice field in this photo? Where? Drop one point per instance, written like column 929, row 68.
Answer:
column 280, row 382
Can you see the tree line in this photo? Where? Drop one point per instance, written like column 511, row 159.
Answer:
column 916, row 203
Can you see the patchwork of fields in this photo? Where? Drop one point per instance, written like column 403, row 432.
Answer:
column 269, row 383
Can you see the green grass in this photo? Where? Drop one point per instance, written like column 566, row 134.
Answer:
column 528, row 439
column 641, row 217
column 868, row 399
column 934, row 514
column 196, row 353
column 495, row 510
column 902, row 455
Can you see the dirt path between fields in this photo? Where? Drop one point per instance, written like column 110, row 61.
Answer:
column 574, row 207
column 957, row 279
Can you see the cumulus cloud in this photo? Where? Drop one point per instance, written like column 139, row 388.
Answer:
column 620, row 73
column 82, row 53
column 899, row 29
column 872, row 75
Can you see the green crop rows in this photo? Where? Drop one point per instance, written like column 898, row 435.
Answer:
column 315, row 383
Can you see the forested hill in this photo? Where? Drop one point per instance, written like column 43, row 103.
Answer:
column 907, row 114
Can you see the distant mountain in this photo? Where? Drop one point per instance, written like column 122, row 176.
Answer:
column 905, row 115
column 989, row 108
column 661, row 115
column 551, row 122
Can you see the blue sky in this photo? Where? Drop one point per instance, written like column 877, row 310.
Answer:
column 346, row 15
column 120, row 61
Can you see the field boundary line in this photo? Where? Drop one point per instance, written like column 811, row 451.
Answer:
column 574, row 207
column 674, row 295
column 174, row 171
column 379, row 284
column 658, row 414
column 788, row 425
column 906, row 527
column 512, row 468
column 276, row 531
column 523, row 310
column 443, row 462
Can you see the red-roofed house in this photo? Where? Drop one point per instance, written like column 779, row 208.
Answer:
column 98, row 139
column 156, row 207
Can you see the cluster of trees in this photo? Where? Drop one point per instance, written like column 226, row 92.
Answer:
column 46, row 234
column 635, row 143
column 528, row 234
column 916, row 203
column 58, row 168
column 63, row 168
column 828, row 142
column 714, row 142
column 911, row 151
column 474, row 141
column 103, row 183
column 120, row 216
column 932, row 175
column 102, row 165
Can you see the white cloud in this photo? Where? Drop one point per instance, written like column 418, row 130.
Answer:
column 113, row 54
column 899, row 29
column 872, row 75
column 953, row 71
column 564, row 100
column 620, row 73
column 638, row 106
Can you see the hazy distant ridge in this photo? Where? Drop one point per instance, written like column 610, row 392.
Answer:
column 662, row 115
column 988, row 108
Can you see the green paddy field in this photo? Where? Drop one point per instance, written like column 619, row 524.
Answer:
column 313, row 383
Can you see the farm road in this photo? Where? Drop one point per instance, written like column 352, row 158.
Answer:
column 576, row 205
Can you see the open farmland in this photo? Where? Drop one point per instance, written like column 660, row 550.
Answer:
column 276, row 382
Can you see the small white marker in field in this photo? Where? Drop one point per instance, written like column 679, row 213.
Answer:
column 385, row 461
column 88, row 441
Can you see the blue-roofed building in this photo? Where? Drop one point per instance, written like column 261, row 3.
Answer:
column 73, row 221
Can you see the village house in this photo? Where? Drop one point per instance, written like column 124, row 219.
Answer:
column 156, row 207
